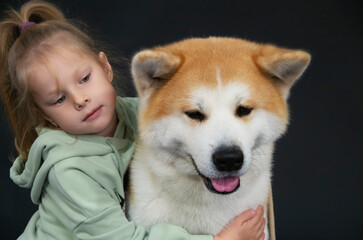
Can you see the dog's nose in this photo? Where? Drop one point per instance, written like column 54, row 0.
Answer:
column 228, row 158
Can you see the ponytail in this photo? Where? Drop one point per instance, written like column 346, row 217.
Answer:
column 22, row 33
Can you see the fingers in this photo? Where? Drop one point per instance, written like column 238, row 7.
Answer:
column 259, row 211
column 261, row 228
column 262, row 237
column 261, row 224
column 246, row 215
column 259, row 215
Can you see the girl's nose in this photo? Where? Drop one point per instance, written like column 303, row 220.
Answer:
column 81, row 101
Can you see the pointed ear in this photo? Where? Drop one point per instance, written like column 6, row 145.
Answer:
column 284, row 66
column 152, row 68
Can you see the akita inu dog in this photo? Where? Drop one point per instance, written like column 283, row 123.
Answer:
column 210, row 111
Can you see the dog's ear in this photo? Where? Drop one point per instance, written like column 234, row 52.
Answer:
column 152, row 68
column 283, row 66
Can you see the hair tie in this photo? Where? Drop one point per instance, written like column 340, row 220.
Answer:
column 25, row 25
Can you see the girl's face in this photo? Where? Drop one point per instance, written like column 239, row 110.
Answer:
column 75, row 93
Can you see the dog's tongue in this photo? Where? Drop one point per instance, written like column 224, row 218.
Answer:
column 227, row 184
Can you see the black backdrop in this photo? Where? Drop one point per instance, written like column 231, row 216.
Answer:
column 318, row 165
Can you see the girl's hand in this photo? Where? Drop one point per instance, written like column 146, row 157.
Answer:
column 249, row 225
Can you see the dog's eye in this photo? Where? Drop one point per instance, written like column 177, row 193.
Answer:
column 196, row 115
column 243, row 111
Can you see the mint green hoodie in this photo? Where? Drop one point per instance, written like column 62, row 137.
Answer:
column 77, row 181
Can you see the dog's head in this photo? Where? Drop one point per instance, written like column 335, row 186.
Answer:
column 207, row 106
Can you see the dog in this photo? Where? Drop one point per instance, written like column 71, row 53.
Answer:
column 210, row 110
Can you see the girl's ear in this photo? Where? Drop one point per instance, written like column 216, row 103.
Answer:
column 46, row 117
column 106, row 66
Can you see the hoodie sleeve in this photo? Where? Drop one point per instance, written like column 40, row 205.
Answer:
column 85, row 207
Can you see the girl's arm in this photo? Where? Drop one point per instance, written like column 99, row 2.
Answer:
column 86, row 208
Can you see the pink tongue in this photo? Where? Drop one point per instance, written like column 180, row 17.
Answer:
column 226, row 184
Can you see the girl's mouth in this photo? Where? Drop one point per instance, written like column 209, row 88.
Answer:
column 93, row 114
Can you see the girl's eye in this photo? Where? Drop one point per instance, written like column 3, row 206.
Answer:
column 60, row 100
column 86, row 78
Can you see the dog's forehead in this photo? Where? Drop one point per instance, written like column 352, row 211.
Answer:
column 232, row 92
column 232, row 80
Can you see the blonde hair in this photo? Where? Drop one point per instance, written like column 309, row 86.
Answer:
column 18, row 49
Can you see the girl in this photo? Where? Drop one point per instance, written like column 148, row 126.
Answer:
column 75, row 138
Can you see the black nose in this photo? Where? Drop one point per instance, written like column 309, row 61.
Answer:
column 228, row 158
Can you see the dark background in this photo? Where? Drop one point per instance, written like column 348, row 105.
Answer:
column 318, row 164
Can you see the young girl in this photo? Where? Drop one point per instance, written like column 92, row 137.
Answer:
column 74, row 136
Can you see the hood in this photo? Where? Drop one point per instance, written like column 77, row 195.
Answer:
column 53, row 146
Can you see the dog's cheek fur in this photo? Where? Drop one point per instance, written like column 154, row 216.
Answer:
column 166, row 138
column 165, row 134
column 267, row 127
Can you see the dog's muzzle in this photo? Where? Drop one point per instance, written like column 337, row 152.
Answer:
column 227, row 160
